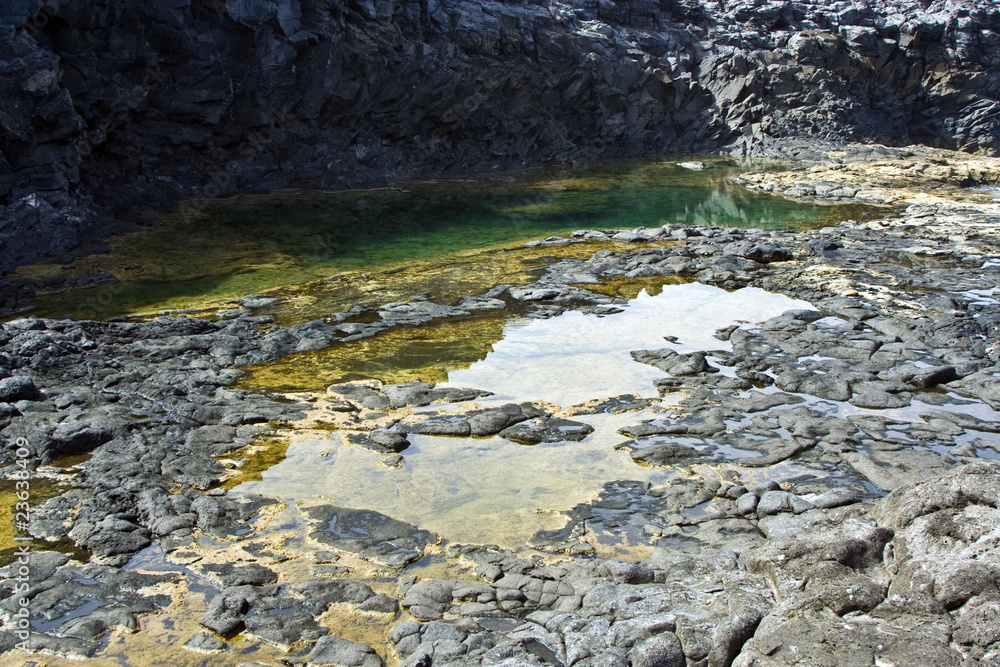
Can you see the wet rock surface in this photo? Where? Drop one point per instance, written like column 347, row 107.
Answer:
column 74, row 603
column 369, row 534
column 825, row 469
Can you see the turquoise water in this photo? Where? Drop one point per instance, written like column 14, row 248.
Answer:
column 249, row 244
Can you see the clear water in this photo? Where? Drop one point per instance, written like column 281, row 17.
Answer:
column 249, row 244
column 490, row 490
column 576, row 357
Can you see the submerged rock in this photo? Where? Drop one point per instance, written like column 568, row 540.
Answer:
column 373, row 395
column 205, row 642
column 475, row 423
column 368, row 534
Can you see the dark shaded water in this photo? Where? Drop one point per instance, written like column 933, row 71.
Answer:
column 248, row 244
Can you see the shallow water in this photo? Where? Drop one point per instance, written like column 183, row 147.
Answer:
column 493, row 491
column 244, row 245
column 578, row 357
column 468, row 490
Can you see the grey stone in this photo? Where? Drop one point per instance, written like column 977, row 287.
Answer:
column 546, row 429
column 391, row 440
column 762, row 252
column 257, row 301
column 335, row 652
column 252, row 574
column 673, row 362
column 798, row 504
column 661, row 650
column 379, row 604
column 204, row 642
column 730, row 636
column 747, row 503
column 773, row 502
column 369, row 534
column 226, row 615
column 17, row 388
column 835, row 498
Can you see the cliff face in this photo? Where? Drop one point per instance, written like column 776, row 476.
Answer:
column 109, row 106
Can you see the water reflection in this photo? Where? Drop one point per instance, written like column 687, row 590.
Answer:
column 576, row 357
column 489, row 490
column 248, row 244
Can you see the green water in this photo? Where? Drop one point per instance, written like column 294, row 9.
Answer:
column 245, row 245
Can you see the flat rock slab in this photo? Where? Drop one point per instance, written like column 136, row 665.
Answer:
column 665, row 454
column 205, row 642
column 756, row 401
column 369, row 534
column 616, row 405
column 420, row 393
column 763, row 252
column 546, row 429
column 257, row 301
column 675, row 363
column 475, row 423
column 240, row 575
column 333, row 651
column 373, row 395
column 379, row 440
column 889, row 470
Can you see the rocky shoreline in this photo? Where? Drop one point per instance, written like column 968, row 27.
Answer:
column 889, row 385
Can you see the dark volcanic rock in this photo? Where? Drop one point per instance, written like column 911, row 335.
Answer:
column 241, row 575
column 79, row 602
column 673, row 362
column 369, row 534
column 226, row 615
column 765, row 253
column 205, row 642
column 149, row 427
column 664, row 454
column 342, row 653
column 115, row 103
column 477, row 423
column 17, row 388
column 546, row 429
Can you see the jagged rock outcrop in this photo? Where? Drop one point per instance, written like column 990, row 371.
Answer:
column 111, row 105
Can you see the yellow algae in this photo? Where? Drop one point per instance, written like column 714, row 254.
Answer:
column 346, row 622
column 429, row 352
column 255, row 459
column 70, row 461
column 161, row 635
column 447, row 280
column 248, row 244
column 40, row 490
column 468, row 490
column 425, row 353
column 630, row 288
